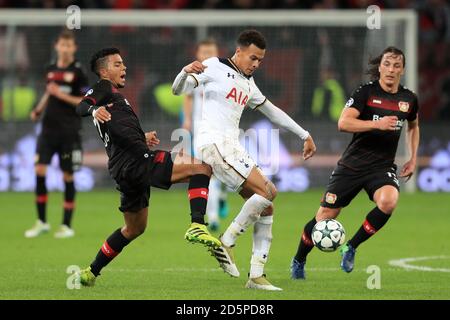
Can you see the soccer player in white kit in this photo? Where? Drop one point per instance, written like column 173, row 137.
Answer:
column 192, row 108
column 228, row 88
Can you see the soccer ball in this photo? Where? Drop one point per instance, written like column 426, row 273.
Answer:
column 328, row 235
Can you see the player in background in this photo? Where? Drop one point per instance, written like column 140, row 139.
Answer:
column 375, row 114
column 66, row 85
column 134, row 166
column 192, row 108
column 229, row 87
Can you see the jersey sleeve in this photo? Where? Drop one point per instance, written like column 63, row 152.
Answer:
column 358, row 99
column 415, row 109
column 99, row 93
column 257, row 98
column 97, row 96
column 206, row 75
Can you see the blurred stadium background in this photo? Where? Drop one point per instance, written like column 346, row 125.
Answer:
column 316, row 57
column 317, row 54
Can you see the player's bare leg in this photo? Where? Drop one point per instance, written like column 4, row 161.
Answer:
column 188, row 169
column 306, row 245
column 185, row 167
column 41, row 226
column 386, row 199
column 65, row 230
column 135, row 224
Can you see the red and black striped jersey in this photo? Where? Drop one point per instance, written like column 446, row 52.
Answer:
column 376, row 149
column 122, row 136
column 60, row 116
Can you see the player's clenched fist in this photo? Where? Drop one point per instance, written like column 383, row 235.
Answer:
column 309, row 148
column 151, row 138
column 101, row 114
column 195, row 67
column 34, row 115
column 387, row 123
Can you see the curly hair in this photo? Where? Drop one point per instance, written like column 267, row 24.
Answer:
column 249, row 37
column 374, row 63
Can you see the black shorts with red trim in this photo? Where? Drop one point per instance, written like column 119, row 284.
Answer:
column 66, row 145
column 345, row 184
column 136, row 179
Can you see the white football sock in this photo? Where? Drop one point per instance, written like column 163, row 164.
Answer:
column 250, row 212
column 212, row 208
column 262, row 239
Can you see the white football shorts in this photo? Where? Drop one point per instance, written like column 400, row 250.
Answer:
column 230, row 163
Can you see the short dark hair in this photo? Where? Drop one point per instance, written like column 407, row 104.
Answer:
column 67, row 35
column 100, row 58
column 374, row 63
column 249, row 37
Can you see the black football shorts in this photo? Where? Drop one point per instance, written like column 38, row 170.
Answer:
column 136, row 180
column 67, row 146
column 345, row 184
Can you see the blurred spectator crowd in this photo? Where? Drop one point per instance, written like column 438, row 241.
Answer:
column 434, row 32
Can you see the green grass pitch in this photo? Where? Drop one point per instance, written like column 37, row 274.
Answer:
column 162, row 265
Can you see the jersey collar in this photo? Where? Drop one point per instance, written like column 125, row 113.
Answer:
column 233, row 66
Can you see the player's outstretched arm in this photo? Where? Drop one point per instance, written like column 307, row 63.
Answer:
column 280, row 118
column 36, row 112
column 187, row 112
column 412, row 139
column 85, row 108
column 54, row 90
column 349, row 122
column 99, row 113
column 184, row 83
column 93, row 103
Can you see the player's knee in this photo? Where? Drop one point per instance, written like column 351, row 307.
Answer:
column 202, row 169
column 132, row 232
column 207, row 170
column 267, row 211
column 68, row 177
column 387, row 204
column 271, row 191
column 327, row 213
column 136, row 232
column 40, row 170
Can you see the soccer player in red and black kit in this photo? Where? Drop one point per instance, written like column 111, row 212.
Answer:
column 133, row 166
column 66, row 85
column 375, row 113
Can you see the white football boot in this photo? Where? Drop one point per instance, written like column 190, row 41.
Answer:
column 38, row 229
column 224, row 255
column 261, row 283
column 64, row 232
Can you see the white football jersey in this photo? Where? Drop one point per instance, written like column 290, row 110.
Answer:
column 226, row 92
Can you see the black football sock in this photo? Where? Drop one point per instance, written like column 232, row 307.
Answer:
column 69, row 202
column 198, row 197
column 41, row 198
column 109, row 250
column 375, row 220
column 306, row 244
